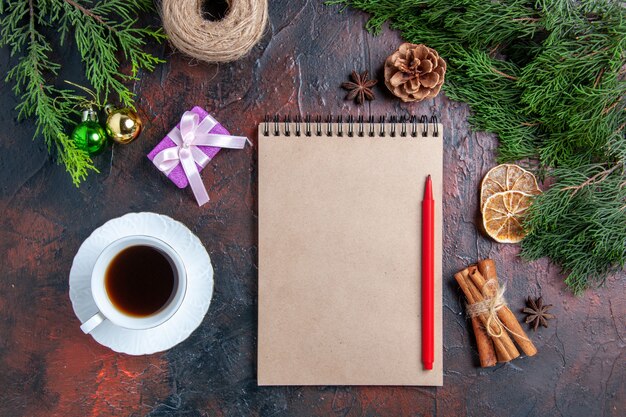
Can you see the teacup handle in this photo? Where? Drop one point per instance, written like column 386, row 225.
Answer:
column 92, row 323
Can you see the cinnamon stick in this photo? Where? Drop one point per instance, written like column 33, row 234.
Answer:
column 487, row 267
column 484, row 344
column 503, row 345
column 505, row 314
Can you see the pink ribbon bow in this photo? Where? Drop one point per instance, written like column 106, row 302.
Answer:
column 194, row 133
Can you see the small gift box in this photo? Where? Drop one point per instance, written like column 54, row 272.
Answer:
column 189, row 147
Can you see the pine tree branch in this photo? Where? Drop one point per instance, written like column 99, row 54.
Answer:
column 547, row 77
column 595, row 179
column 510, row 77
column 88, row 12
column 527, row 19
column 31, row 11
column 50, row 106
column 54, row 109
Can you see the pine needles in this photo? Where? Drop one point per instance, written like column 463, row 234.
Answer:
column 549, row 78
column 106, row 36
column 581, row 222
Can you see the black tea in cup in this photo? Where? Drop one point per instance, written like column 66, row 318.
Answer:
column 140, row 281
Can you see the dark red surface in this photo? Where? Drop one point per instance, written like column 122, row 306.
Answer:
column 48, row 368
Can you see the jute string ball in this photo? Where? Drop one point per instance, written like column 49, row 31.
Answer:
column 223, row 40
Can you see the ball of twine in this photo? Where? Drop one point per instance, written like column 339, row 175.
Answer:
column 223, row 40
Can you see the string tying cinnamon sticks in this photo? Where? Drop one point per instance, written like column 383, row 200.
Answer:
column 492, row 320
column 490, row 306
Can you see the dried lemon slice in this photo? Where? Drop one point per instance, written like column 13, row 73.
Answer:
column 503, row 214
column 507, row 177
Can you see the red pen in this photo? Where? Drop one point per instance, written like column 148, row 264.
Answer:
column 428, row 276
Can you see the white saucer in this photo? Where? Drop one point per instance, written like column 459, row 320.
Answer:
column 199, row 285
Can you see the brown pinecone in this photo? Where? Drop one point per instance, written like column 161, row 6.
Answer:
column 414, row 72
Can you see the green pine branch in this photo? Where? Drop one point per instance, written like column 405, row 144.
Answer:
column 99, row 37
column 50, row 106
column 548, row 77
column 106, row 36
column 580, row 223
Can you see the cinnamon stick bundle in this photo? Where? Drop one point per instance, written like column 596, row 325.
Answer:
column 505, row 314
column 504, row 345
column 492, row 324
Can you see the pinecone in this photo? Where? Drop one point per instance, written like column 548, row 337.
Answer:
column 414, row 72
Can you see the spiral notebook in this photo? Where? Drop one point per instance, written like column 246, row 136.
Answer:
column 339, row 250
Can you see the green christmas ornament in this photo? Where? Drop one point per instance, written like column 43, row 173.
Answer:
column 89, row 135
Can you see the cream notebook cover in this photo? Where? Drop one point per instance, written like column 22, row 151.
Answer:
column 339, row 253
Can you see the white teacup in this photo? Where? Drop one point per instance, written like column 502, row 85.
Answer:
column 108, row 310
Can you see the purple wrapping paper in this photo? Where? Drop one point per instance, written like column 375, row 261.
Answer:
column 177, row 176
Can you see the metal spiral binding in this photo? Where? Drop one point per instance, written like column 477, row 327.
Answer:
column 409, row 126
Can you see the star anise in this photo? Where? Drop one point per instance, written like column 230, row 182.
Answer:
column 537, row 313
column 360, row 88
